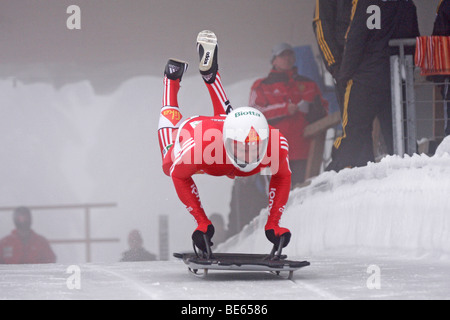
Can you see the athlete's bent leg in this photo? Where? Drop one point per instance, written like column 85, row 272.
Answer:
column 170, row 116
column 208, row 53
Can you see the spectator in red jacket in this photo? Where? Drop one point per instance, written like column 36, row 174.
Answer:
column 23, row 245
column 289, row 102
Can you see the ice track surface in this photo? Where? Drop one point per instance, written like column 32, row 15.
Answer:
column 342, row 275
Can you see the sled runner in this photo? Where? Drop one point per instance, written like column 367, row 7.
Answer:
column 275, row 262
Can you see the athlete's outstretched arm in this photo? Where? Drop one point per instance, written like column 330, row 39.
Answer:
column 279, row 189
column 188, row 193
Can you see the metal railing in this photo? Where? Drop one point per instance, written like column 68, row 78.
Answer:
column 405, row 103
column 403, row 98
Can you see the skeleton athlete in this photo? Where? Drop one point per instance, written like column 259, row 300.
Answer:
column 232, row 143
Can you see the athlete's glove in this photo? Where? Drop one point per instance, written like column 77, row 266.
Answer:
column 198, row 238
column 274, row 234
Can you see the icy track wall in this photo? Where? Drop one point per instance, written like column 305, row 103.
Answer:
column 397, row 204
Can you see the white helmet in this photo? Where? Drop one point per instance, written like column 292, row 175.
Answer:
column 245, row 137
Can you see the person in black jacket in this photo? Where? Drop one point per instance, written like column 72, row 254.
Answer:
column 442, row 22
column 331, row 21
column 365, row 69
column 442, row 28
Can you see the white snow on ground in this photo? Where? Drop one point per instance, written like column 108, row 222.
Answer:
column 378, row 232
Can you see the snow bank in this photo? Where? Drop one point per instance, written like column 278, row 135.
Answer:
column 397, row 204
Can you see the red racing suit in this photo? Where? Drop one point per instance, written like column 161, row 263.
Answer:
column 198, row 149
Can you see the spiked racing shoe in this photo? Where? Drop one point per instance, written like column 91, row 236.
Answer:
column 175, row 69
column 207, row 51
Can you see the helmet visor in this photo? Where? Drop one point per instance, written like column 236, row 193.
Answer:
column 246, row 153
